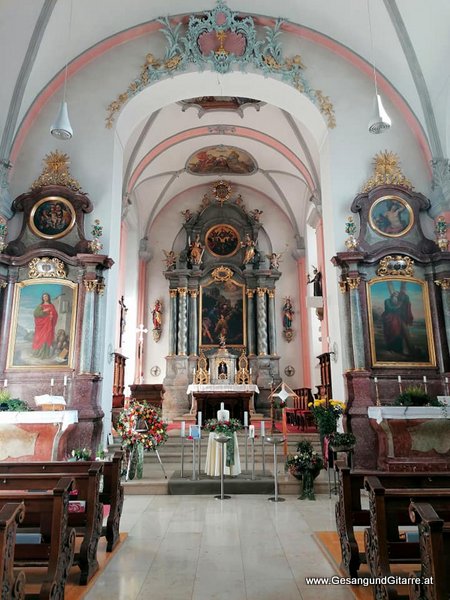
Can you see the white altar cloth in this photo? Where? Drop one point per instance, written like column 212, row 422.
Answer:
column 407, row 412
column 60, row 417
column 214, row 457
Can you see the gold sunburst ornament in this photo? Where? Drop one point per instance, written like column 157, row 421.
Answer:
column 387, row 171
column 56, row 172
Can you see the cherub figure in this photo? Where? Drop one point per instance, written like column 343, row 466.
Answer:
column 256, row 214
column 171, row 259
column 274, row 260
column 187, row 214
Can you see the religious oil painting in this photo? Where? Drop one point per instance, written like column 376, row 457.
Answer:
column 400, row 323
column 222, row 240
column 391, row 216
column 43, row 324
column 222, row 310
column 221, row 159
column 52, row 217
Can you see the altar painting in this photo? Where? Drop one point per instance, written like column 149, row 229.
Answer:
column 400, row 323
column 222, row 310
column 43, row 324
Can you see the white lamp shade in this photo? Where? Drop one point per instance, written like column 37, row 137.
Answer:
column 380, row 121
column 62, row 128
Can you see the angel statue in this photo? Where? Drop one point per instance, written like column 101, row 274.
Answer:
column 274, row 260
column 171, row 259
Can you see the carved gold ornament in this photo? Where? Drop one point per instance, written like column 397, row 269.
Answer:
column 387, row 172
column 90, row 284
column 56, row 172
column 221, row 191
column 46, row 267
column 222, row 274
column 396, row 265
column 353, row 282
column 443, row 283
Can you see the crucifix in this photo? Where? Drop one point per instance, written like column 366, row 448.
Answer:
column 140, row 350
column 221, row 36
column 123, row 319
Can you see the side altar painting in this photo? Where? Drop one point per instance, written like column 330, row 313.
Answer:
column 400, row 323
column 43, row 324
column 222, row 310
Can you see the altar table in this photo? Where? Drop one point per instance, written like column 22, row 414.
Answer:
column 237, row 398
column 214, row 457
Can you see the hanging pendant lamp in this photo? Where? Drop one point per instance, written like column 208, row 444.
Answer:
column 61, row 128
column 380, row 121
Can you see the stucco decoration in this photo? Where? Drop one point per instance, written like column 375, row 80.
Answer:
column 221, row 159
column 222, row 39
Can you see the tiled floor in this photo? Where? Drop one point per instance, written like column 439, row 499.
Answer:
column 199, row 548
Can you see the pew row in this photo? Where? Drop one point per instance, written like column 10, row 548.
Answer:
column 434, row 543
column 112, row 493
column 350, row 513
column 47, row 513
column 384, row 546
column 12, row 585
column 87, row 522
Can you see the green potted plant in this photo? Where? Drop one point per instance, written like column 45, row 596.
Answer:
column 8, row 403
column 415, row 395
column 326, row 415
column 306, row 465
column 80, row 454
column 342, row 442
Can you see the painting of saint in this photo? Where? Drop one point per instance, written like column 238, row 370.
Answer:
column 221, row 159
column 400, row 323
column 52, row 217
column 43, row 324
column 391, row 216
column 222, row 314
column 222, row 240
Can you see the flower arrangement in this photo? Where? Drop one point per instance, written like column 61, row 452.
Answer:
column 277, row 402
column 80, row 454
column 326, row 414
column 229, row 426
column 305, row 459
column 342, row 440
column 8, row 403
column 142, row 424
column 415, row 395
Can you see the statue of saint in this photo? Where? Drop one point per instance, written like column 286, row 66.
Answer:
column 196, row 251
column 316, row 280
column 250, row 249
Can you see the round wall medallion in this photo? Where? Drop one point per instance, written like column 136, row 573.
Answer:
column 155, row 371
column 222, row 240
column 289, row 371
column 391, row 216
column 52, row 217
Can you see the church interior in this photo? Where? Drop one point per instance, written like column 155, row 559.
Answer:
column 224, row 267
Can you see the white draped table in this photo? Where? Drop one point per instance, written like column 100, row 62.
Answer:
column 214, row 457
column 219, row 389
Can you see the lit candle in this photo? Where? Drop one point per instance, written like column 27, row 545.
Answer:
column 222, row 406
column 65, row 380
column 199, row 419
column 424, row 378
column 251, row 432
column 263, row 429
column 246, row 419
column 375, row 379
column 183, row 428
column 399, row 379
column 52, row 382
column 5, row 383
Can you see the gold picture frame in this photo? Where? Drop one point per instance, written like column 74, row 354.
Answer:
column 52, row 217
column 222, row 240
column 222, row 311
column 42, row 333
column 391, row 216
column 400, row 326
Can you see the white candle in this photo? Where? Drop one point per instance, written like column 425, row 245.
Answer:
column 183, row 428
column 251, row 432
column 222, row 406
column 446, row 380
column 263, row 429
column 424, row 378
column 199, row 418
column 375, row 379
column 52, row 382
column 5, row 383
column 65, row 380
column 245, row 419
column 250, row 370
column 399, row 379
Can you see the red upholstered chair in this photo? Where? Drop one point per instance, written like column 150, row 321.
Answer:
column 306, row 417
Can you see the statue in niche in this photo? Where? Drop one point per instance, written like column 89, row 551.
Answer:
column 316, row 280
column 250, row 249
column 196, row 250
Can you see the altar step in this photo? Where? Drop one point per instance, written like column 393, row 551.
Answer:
column 153, row 481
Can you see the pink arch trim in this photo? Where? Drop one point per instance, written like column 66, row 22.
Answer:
column 199, row 131
column 125, row 36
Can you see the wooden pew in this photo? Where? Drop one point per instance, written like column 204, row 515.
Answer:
column 12, row 585
column 389, row 509
column 46, row 511
column 434, row 544
column 112, row 493
column 349, row 511
column 88, row 524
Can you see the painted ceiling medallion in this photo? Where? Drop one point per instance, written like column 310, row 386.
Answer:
column 222, row 39
column 387, row 171
column 221, row 159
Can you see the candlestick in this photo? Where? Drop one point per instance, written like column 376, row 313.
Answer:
column 65, row 380
column 199, row 418
column 251, row 432
column 263, row 429
column 245, row 419
column 399, row 379
column 5, row 383
column 446, row 386
column 52, row 382
column 377, row 396
column 183, row 429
